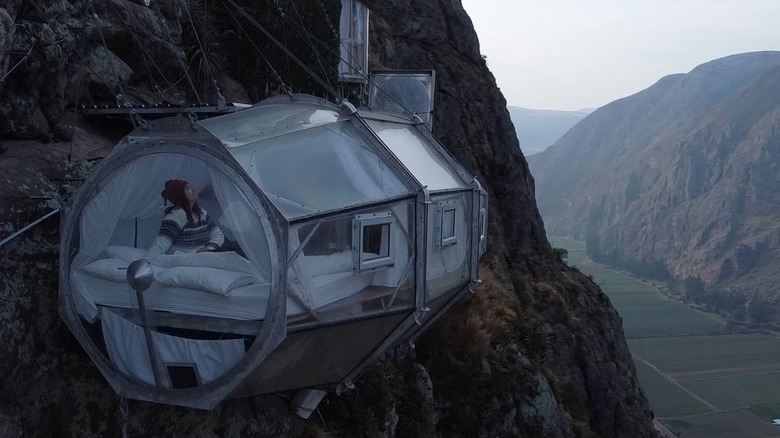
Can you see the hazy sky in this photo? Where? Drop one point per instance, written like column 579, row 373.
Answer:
column 574, row 54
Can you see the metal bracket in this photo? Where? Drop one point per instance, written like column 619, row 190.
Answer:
column 426, row 195
column 221, row 105
column 193, row 119
column 139, row 120
column 420, row 313
column 344, row 386
column 475, row 183
column 348, row 106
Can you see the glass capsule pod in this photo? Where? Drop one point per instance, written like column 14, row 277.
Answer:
column 281, row 247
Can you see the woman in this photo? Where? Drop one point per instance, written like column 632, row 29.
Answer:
column 186, row 227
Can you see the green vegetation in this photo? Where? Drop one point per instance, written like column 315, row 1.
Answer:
column 560, row 253
column 702, row 378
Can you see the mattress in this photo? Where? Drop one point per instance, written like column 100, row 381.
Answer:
column 189, row 293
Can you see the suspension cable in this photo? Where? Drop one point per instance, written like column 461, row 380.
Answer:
column 179, row 58
column 108, row 53
column 311, row 43
column 352, row 57
column 311, row 37
column 102, row 76
column 200, row 44
column 29, row 226
column 78, row 87
column 285, row 87
column 262, row 29
column 146, row 56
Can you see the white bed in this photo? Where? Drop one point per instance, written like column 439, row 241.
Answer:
column 323, row 279
column 219, row 285
column 222, row 285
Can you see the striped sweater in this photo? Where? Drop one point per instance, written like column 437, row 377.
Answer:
column 179, row 235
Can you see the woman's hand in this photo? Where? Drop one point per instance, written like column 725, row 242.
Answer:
column 208, row 248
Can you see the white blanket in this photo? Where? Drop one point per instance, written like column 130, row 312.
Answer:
column 324, row 279
column 207, row 284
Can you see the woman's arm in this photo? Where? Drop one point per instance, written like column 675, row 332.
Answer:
column 216, row 237
column 170, row 229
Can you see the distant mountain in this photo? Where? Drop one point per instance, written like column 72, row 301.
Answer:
column 537, row 129
column 680, row 181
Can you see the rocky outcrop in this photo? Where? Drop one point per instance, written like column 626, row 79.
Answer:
column 537, row 351
column 678, row 182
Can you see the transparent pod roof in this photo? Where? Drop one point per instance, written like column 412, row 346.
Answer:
column 417, row 153
column 309, row 158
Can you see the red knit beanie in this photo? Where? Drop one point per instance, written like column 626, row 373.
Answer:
column 174, row 192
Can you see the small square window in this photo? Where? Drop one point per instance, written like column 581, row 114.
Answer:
column 376, row 241
column 182, row 375
column 446, row 224
column 373, row 241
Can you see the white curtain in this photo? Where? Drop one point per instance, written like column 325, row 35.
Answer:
column 126, row 345
column 402, row 247
column 299, row 286
column 243, row 221
column 133, row 191
column 446, row 263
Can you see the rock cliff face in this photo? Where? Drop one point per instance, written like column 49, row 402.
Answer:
column 680, row 182
column 537, row 351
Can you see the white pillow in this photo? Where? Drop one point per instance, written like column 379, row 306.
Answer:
column 216, row 281
column 108, row 269
column 126, row 253
column 227, row 260
column 328, row 264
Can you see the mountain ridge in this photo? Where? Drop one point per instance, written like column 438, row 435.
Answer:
column 678, row 181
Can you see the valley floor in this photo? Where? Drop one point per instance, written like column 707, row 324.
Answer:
column 702, row 379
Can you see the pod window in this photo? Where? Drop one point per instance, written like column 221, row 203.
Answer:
column 182, row 375
column 373, row 241
column 446, row 224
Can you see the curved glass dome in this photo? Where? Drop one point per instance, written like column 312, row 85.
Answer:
column 194, row 325
column 307, row 159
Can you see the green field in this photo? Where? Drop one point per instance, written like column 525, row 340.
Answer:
column 645, row 312
column 767, row 412
column 694, row 357
column 668, row 398
column 737, row 391
column 740, row 423
column 702, row 379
